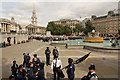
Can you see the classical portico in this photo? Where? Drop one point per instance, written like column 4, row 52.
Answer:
column 33, row 28
column 8, row 25
column 5, row 27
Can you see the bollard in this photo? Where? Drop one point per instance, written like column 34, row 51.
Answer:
column 66, row 45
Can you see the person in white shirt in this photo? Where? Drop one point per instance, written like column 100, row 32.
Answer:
column 56, row 66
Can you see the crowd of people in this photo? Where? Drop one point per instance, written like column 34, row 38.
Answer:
column 33, row 69
column 47, row 39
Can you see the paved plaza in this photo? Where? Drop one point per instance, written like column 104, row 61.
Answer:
column 106, row 63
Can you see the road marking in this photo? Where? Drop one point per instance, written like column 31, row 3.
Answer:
column 37, row 49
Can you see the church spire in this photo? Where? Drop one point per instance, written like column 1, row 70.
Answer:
column 34, row 18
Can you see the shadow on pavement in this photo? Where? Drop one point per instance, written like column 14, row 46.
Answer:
column 50, row 76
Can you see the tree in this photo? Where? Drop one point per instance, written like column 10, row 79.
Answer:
column 58, row 29
column 67, row 30
column 89, row 27
column 78, row 28
column 50, row 27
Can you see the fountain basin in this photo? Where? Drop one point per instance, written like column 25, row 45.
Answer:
column 94, row 39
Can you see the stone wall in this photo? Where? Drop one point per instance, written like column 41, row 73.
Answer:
column 18, row 37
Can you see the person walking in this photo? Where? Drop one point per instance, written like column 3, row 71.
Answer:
column 56, row 66
column 47, row 53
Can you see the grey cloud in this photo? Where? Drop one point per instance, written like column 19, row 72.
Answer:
column 49, row 11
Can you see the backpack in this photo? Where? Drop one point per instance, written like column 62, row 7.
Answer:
column 87, row 77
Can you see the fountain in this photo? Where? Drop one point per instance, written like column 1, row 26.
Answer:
column 93, row 37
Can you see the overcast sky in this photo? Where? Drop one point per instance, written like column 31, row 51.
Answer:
column 50, row 11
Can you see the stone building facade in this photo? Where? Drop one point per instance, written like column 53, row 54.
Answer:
column 33, row 28
column 67, row 22
column 8, row 26
column 108, row 24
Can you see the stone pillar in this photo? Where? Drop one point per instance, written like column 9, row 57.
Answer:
column 9, row 28
column 2, row 26
column 5, row 27
column 29, row 30
column 34, row 30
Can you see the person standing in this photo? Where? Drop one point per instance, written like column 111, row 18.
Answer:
column 91, row 74
column 70, row 69
column 14, row 68
column 24, row 61
column 56, row 66
column 41, row 74
column 47, row 52
column 31, row 74
column 55, row 51
column 21, row 75
column 35, row 56
column 9, row 40
column 28, row 60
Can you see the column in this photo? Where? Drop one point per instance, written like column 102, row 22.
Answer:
column 34, row 30
column 2, row 26
column 9, row 28
column 30, row 30
column 5, row 27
